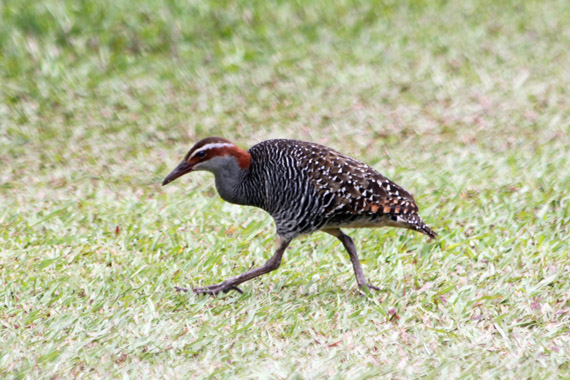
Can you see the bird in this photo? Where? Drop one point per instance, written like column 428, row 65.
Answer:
column 306, row 187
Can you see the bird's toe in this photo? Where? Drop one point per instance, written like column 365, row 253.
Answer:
column 373, row 287
column 367, row 288
column 216, row 289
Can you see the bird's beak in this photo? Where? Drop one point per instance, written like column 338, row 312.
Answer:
column 182, row 168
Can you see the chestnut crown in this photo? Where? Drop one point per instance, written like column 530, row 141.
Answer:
column 210, row 154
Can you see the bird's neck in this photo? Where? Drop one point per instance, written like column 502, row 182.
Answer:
column 229, row 181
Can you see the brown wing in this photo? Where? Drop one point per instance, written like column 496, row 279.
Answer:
column 348, row 185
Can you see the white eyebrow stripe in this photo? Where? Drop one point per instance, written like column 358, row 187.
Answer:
column 211, row 146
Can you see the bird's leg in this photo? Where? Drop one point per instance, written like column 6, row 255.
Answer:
column 232, row 283
column 349, row 245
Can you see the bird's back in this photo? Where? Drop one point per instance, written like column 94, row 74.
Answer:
column 307, row 187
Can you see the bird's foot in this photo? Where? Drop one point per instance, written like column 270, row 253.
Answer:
column 212, row 289
column 366, row 288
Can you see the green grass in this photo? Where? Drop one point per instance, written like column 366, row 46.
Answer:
column 466, row 104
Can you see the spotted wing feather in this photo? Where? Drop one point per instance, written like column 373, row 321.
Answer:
column 352, row 186
column 319, row 187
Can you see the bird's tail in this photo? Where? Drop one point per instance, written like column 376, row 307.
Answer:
column 415, row 222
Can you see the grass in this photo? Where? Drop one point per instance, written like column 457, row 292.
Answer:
column 466, row 104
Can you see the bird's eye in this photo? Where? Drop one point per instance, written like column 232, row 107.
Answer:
column 201, row 154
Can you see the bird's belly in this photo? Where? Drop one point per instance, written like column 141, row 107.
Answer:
column 364, row 221
column 365, row 224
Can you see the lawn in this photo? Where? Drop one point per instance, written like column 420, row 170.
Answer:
column 466, row 104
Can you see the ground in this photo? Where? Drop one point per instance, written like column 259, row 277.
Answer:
column 465, row 104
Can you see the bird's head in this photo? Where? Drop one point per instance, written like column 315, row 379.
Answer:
column 211, row 154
